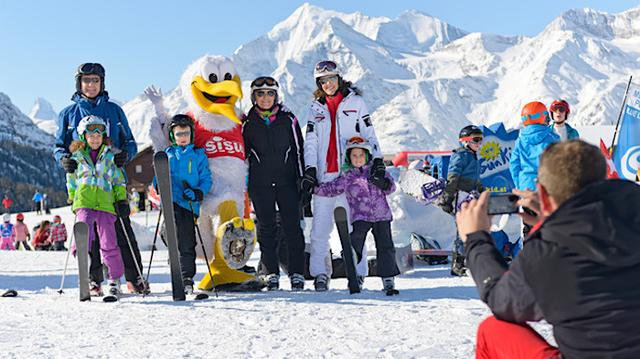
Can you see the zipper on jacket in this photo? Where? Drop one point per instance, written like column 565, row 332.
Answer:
column 255, row 155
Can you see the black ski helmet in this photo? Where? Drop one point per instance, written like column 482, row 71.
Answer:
column 180, row 120
column 264, row 83
column 469, row 131
column 89, row 68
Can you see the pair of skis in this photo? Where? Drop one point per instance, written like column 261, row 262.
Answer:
column 81, row 235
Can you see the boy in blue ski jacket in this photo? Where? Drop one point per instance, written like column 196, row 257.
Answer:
column 191, row 180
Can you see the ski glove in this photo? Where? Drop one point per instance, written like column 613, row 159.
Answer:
column 309, row 180
column 122, row 208
column 70, row 165
column 377, row 168
column 445, row 203
column 192, row 194
column 121, row 158
column 154, row 94
column 380, row 182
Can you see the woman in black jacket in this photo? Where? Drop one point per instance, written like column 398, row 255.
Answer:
column 273, row 146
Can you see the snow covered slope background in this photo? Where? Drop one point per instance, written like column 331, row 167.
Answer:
column 424, row 79
column 44, row 116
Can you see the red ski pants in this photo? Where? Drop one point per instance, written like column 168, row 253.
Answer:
column 500, row 339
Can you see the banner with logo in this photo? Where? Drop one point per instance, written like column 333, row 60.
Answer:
column 494, row 155
column 626, row 154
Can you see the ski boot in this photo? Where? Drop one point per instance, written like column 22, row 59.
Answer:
column 273, row 281
column 95, row 289
column 188, row 286
column 457, row 265
column 321, row 283
column 140, row 287
column 389, row 286
column 360, row 279
column 297, row 282
column 113, row 293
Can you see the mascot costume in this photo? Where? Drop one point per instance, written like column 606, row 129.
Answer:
column 211, row 88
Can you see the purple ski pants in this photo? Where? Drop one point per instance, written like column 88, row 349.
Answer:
column 105, row 222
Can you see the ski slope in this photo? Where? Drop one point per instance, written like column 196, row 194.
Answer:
column 435, row 315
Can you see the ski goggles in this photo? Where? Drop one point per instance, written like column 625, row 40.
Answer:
column 263, row 93
column 325, row 80
column 91, row 68
column 95, row 129
column 90, row 80
column 326, row 65
column 535, row 118
column 559, row 108
column 182, row 134
column 472, row 139
column 264, row 80
column 356, row 139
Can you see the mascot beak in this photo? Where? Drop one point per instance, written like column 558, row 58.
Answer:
column 219, row 98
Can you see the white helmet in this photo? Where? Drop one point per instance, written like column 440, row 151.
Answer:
column 91, row 120
column 359, row 142
column 6, row 217
column 325, row 68
column 264, row 83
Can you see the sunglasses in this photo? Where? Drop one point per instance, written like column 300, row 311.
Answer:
column 269, row 93
column 325, row 80
column 91, row 68
column 182, row 134
column 264, row 80
column 90, row 80
column 472, row 139
column 559, row 108
column 326, row 65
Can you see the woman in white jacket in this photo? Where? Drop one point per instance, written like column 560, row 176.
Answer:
column 337, row 113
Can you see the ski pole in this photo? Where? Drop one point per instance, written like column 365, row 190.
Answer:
column 153, row 247
column 133, row 254
column 204, row 252
column 66, row 261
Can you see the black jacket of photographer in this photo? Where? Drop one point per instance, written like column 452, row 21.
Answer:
column 580, row 271
column 274, row 151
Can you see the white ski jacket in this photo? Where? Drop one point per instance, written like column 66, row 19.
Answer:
column 352, row 120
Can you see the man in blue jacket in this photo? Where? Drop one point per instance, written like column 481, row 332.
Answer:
column 91, row 98
column 532, row 141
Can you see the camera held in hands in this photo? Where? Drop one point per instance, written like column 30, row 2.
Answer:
column 503, row 203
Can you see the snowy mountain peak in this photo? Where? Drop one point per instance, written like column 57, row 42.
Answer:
column 44, row 116
column 587, row 21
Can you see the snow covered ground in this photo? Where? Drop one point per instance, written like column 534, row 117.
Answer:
column 435, row 315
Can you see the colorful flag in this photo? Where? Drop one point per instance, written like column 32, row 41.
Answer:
column 626, row 154
column 611, row 167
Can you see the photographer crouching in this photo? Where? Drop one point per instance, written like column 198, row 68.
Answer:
column 578, row 270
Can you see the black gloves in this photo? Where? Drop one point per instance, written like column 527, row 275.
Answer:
column 121, row 158
column 380, row 182
column 377, row 168
column 306, row 205
column 122, row 208
column 70, row 165
column 445, row 202
column 191, row 194
column 309, row 180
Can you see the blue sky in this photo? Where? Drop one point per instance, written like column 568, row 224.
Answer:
column 144, row 42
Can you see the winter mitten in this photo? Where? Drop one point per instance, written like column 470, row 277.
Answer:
column 309, row 180
column 380, row 182
column 189, row 195
column 122, row 208
column 377, row 168
column 70, row 165
column 154, row 94
column 121, row 158
column 196, row 193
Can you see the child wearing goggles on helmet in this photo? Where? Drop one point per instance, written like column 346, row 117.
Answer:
column 369, row 209
column 559, row 111
column 191, row 180
column 463, row 174
column 7, row 233
column 98, row 192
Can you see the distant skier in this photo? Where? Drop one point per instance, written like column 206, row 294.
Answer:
column 37, row 202
column 7, row 233
column 327, row 133
column 463, row 175
column 23, row 235
column 58, row 234
column 98, row 192
column 369, row 209
column 7, row 203
column 191, row 180
column 559, row 111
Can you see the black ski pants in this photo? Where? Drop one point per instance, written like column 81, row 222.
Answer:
column 385, row 250
column 130, row 272
column 186, row 241
column 264, row 200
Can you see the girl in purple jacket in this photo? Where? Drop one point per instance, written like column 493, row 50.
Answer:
column 366, row 195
